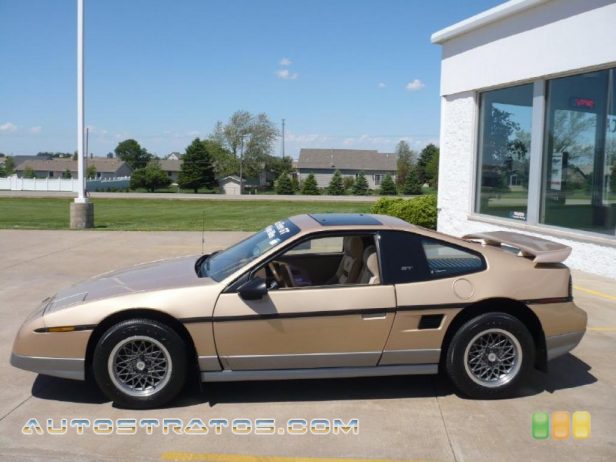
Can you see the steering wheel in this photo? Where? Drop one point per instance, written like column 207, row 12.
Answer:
column 272, row 266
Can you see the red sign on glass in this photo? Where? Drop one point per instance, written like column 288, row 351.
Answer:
column 586, row 103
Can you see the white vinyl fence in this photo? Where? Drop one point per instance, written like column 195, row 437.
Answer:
column 13, row 183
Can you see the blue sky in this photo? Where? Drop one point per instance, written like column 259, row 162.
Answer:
column 343, row 73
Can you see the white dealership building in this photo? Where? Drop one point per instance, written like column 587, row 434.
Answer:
column 528, row 125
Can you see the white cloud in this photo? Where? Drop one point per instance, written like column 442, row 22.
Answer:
column 35, row 130
column 415, row 85
column 285, row 62
column 8, row 127
column 382, row 85
column 286, row 74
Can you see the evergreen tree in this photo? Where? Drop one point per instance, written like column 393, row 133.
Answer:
column 197, row 170
column 427, row 154
column 67, row 175
column 388, row 187
column 336, row 186
column 360, row 188
column 411, row 184
column 295, row 183
column 284, row 184
column 310, row 186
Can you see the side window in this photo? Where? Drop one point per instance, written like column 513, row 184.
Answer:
column 446, row 260
column 326, row 261
column 402, row 258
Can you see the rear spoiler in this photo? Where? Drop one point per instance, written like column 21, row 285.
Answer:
column 541, row 250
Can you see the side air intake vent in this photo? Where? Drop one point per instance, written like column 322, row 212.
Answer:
column 430, row 321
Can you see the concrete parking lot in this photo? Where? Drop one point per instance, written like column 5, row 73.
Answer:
column 400, row 418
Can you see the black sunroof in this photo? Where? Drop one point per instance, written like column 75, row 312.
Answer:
column 344, row 219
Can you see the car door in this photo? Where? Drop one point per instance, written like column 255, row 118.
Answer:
column 311, row 326
column 434, row 280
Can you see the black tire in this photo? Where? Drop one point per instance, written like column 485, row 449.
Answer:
column 172, row 356
column 473, row 331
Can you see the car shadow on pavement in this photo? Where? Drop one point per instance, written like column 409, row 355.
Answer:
column 72, row 391
column 567, row 371
column 314, row 390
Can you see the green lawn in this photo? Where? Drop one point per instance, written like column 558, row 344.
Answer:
column 162, row 214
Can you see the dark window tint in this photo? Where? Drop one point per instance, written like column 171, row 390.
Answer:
column 446, row 260
column 579, row 179
column 402, row 258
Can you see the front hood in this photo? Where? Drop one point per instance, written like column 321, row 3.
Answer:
column 158, row 275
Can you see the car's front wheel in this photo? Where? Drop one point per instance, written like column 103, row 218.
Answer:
column 490, row 356
column 140, row 363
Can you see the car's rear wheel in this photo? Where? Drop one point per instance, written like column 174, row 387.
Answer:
column 490, row 356
column 140, row 363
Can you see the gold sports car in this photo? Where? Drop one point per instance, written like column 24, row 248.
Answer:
column 315, row 296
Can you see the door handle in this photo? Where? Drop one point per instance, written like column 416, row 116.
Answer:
column 373, row 316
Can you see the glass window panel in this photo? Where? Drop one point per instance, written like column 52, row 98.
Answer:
column 578, row 184
column 504, row 151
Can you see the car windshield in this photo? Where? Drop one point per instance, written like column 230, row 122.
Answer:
column 221, row 264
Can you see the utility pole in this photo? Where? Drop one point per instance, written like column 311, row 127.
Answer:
column 81, row 210
column 282, row 139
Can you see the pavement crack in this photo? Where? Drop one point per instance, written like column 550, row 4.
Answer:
column 440, row 410
column 15, row 408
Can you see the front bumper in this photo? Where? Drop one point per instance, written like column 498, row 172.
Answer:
column 67, row 368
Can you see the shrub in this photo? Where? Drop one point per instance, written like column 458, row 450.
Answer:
column 418, row 211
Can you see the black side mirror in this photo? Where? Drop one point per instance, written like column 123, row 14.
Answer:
column 253, row 289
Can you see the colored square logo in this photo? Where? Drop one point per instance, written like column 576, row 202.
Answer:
column 581, row 424
column 560, row 425
column 541, row 425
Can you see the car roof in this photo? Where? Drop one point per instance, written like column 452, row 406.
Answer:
column 320, row 221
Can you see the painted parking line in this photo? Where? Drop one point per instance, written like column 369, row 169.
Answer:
column 603, row 329
column 595, row 293
column 193, row 456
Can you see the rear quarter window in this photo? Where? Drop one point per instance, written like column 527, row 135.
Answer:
column 447, row 260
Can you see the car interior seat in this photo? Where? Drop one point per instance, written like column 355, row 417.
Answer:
column 370, row 270
column 351, row 262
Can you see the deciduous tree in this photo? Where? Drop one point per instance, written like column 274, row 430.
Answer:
column 131, row 152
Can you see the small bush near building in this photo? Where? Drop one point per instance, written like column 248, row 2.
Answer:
column 284, row 184
column 388, row 187
column 336, row 185
column 360, row 188
column 310, row 186
column 418, row 211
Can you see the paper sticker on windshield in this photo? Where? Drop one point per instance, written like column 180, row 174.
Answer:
column 281, row 227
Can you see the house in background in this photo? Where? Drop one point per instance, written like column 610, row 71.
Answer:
column 231, row 185
column 323, row 163
column 172, row 168
column 55, row 168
